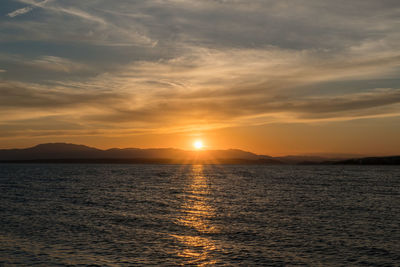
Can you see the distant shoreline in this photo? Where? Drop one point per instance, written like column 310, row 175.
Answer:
column 390, row 161
column 72, row 153
column 146, row 161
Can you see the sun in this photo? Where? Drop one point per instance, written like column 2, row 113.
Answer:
column 198, row 144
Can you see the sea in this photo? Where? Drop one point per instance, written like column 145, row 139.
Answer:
column 199, row 215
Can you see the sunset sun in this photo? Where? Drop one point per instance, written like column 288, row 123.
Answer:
column 198, row 144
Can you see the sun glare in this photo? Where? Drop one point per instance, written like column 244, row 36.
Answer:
column 198, row 144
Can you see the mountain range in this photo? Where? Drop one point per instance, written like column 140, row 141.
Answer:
column 72, row 153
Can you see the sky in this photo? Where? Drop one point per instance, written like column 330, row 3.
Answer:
column 272, row 77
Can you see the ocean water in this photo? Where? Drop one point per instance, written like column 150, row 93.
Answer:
column 170, row 215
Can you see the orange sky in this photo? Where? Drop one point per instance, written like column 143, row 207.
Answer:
column 273, row 139
column 271, row 77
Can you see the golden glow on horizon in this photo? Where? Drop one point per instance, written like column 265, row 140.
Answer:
column 247, row 90
column 198, row 144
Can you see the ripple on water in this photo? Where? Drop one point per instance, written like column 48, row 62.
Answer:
column 113, row 215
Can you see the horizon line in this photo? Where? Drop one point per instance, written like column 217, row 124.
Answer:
column 205, row 149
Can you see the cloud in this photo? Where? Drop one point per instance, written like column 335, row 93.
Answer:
column 57, row 64
column 213, row 88
column 178, row 65
column 228, row 111
column 24, row 96
column 219, row 24
column 86, row 26
column 46, row 63
column 20, row 12
column 27, row 9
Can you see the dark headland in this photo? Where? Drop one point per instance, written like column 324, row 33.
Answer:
column 71, row 153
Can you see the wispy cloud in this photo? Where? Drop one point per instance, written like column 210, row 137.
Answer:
column 178, row 65
column 46, row 63
column 99, row 28
column 20, row 11
column 27, row 9
column 53, row 63
column 40, row 97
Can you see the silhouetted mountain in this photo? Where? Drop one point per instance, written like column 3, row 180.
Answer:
column 50, row 151
column 302, row 159
column 315, row 159
column 338, row 156
column 62, row 152
column 391, row 160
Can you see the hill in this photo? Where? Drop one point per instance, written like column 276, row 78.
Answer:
column 72, row 153
column 64, row 153
column 392, row 160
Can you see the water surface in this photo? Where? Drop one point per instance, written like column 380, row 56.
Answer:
column 119, row 215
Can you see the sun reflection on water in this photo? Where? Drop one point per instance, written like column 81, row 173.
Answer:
column 196, row 243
